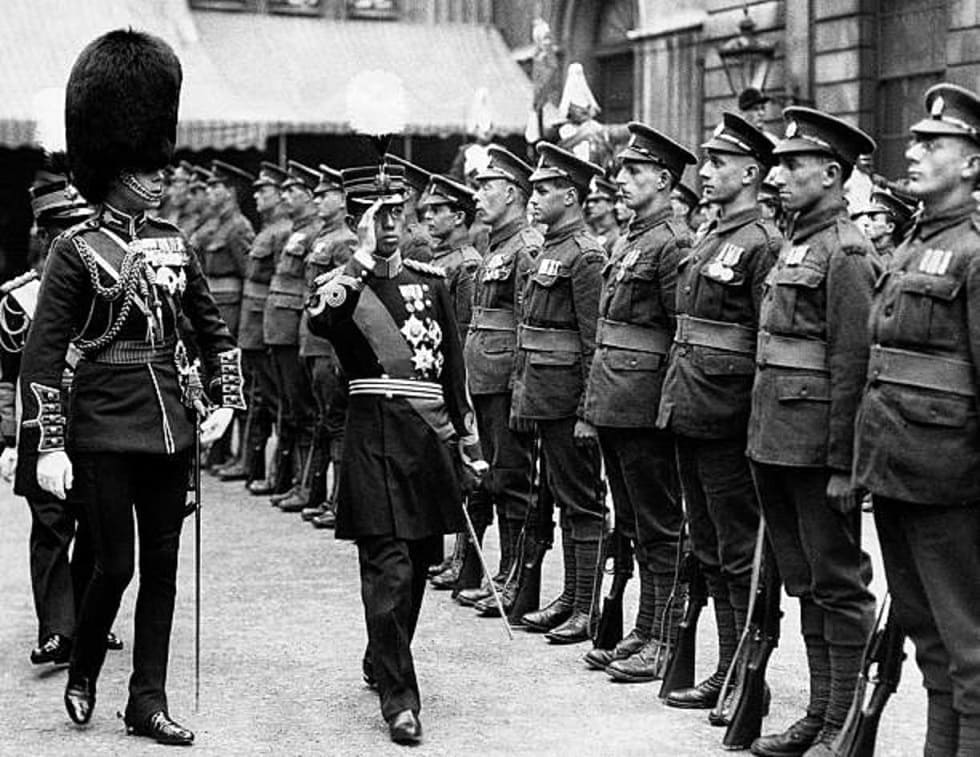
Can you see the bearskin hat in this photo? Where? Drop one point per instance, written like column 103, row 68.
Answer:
column 121, row 109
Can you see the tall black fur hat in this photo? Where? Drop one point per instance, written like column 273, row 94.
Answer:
column 121, row 109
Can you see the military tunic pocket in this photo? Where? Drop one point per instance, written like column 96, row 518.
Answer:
column 794, row 299
column 929, row 410
column 727, row 364
column 623, row 360
column 928, row 311
column 556, row 359
column 802, row 419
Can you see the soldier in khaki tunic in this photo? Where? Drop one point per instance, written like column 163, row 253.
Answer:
column 635, row 329
column 706, row 391
column 283, row 309
column 259, row 267
column 556, row 342
column 331, row 249
column 501, row 201
column 917, row 446
column 811, row 361
column 884, row 221
column 417, row 243
column 600, row 212
column 449, row 209
column 197, row 210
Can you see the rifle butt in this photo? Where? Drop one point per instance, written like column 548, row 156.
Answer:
column 528, row 597
column 610, row 629
column 679, row 668
column 745, row 721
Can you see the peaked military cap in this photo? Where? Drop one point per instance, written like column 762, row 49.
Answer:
column 199, row 177
column 556, row 163
column 809, row 130
column 953, row 111
column 505, row 165
column 270, row 175
column 183, row 171
column 886, row 202
column 601, row 188
column 647, row 145
column 415, row 176
column 443, row 191
column 54, row 199
column 736, row 136
column 686, row 195
column 366, row 184
column 299, row 175
column 330, row 178
column 226, row 173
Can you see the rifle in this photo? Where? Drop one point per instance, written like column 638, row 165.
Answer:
column 609, row 630
column 884, row 651
column 680, row 656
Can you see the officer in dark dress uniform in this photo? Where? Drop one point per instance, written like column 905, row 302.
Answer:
column 283, row 308
column 917, row 446
column 118, row 286
column 263, row 402
column 331, row 249
column 811, row 361
column 635, row 330
column 707, row 389
column 503, row 188
column 556, row 341
column 57, row 587
column 393, row 326
column 417, row 243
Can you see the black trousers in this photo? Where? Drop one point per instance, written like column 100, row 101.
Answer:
column 112, row 486
column 641, row 467
column 573, row 478
column 297, row 405
column 722, row 512
column 56, row 583
column 508, row 483
column 932, row 562
column 329, row 391
column 818, row 550
column 393, row 575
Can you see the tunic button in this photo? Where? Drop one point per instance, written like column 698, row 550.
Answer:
column 633, row 361
column 803, row 391
column 687, row 289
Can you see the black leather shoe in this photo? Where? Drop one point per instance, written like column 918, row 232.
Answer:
column 794, row 741
column 447, row 580
column 644, row 666
column 550, row 616
column 702, row 696
column 235, row 472
column 472, row 597
column 260, row 488
column 405, row 728
column 161, row 729
column 327, row 519
column 599, row 659
column 80, row 699
column 55, row 648
column 113, row 642
column 576, row 629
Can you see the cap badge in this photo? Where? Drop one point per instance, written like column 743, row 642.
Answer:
column 719, row 129
column 938, row 106
column 791, row 128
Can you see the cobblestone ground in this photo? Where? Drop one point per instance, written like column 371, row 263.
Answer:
column 282, row 641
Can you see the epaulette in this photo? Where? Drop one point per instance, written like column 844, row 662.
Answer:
column 588, row 243
column 427, row 268
column 18, row 281
column 852, row 241
column 531, row 237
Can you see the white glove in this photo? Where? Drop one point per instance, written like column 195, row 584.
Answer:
column 8, row 463
column 215, row 424
column 54, row 472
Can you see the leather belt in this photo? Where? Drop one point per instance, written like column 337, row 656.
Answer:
column 389, row 387
column 224, row 284
column 781, row 351
column 493, row 319
column 535, row 339
column 134, row 352
column 718, row 335
column 255, row 289
column 920, row 370
column 629, row 336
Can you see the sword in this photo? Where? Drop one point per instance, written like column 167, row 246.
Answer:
column 197, row 560
column 486, row 571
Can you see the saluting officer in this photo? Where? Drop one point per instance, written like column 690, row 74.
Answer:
column 918, row 440
column 418, row 243
column 707, row 389
column 392, row 323
column 449, row 209
column 119, row 286
column 263, row 403
column 283, row 309
column 503, row 188
column 635, row 330
column 556, row 341
column 331, row 249
column 811, row 361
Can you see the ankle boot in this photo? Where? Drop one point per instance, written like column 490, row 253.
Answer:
column 445, row 580
column 470, row 570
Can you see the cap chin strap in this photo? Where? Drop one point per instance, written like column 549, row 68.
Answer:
column 134, row 185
